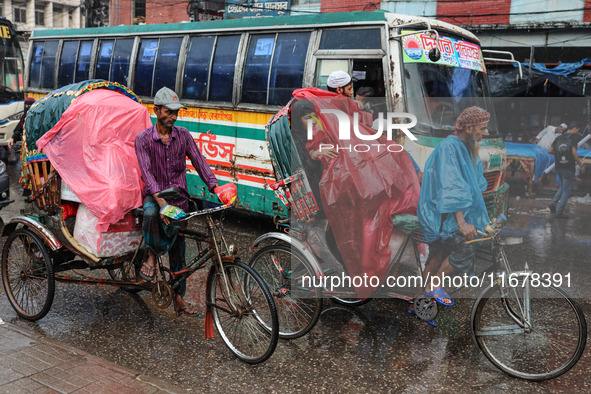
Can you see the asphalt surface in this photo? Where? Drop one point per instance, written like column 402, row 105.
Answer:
column 374, row 348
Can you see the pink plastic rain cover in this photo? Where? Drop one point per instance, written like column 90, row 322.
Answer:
column 92, row 148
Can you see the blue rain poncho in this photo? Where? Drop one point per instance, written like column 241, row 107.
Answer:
column 451, row 182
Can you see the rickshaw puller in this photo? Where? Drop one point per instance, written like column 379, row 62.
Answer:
column 162, row 150
column 451, row 207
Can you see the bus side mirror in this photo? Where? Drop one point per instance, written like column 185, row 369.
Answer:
column 434, row 55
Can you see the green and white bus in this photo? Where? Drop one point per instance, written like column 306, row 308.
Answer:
column 233, row 75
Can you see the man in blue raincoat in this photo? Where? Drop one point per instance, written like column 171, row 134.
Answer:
column 451, row 207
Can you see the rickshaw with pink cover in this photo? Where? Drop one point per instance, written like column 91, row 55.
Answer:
column 80, row 164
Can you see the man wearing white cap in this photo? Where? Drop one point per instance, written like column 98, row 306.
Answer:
column 549, row 134
column 340, row 82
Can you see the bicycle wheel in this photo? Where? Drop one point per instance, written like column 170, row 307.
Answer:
column 27, row 275
column 283, row 269
column 238, row 299
column 547, row 347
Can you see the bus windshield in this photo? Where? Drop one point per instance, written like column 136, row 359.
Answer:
column 436, row 93
column 11, row 61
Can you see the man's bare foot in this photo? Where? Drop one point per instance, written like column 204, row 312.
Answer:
column 182, row 307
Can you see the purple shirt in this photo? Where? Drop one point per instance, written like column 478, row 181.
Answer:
column 164, row 165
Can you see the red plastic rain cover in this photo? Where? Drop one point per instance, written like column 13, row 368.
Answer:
column 361, row 191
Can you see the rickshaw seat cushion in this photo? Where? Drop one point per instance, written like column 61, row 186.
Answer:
column 406, row 222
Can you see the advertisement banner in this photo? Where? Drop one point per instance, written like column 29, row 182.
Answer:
column 454, row 53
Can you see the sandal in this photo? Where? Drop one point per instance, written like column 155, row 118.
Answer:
column 184, row 310
column 440, row 295
column 151, row 270
column 413, row 313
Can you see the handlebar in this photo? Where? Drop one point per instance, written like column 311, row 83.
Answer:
column 172, row 193
column 203, row 212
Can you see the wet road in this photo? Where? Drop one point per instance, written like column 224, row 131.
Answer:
column 373, row 348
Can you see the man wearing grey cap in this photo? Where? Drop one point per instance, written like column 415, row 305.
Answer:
column 161, row 151
column 547, row 136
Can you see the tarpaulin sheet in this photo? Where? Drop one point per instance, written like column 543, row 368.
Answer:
column 47, row 111
column 542, row 158
column 361, row 191
column 561, row 69
column 504, row 82
column 92, row 148
column 451, row 183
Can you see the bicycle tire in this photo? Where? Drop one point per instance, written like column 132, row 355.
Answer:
column 529, row 354
column 237, row 312
column 297, row 315
column 27, row 275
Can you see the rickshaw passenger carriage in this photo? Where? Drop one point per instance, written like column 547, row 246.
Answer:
column 40, row 249
column 509, row 324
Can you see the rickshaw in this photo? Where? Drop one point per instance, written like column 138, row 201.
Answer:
column 527, row 329
column 40, row 248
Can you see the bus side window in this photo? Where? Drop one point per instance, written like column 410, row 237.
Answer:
column 42, row 66
column 287, row 70
column 197, row 65
column 222, row 71
column 167, row 62
column 48, row 64
column 351, row 39
column 325, row 67
column 83, row 65
column 103, row 64
column 65, row 75
column 35, row 66
column 120, row 60
column 256, row 70
column 144, row 67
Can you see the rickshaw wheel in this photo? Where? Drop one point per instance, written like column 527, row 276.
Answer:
column 27, row 274
column 127, row 272
column 283, row 269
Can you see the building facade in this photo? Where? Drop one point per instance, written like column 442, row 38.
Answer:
column 31, row 14
column 133, row 12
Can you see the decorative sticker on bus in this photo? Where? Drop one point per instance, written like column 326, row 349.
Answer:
column 455, row 53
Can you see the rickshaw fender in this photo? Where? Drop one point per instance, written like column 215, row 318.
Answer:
column 37, row 228
column 294, row 243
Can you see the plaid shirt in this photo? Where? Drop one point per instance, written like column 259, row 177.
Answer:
column 164, row 165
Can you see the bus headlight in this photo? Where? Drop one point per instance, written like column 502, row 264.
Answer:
column 2, row 167
column 16, row 116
